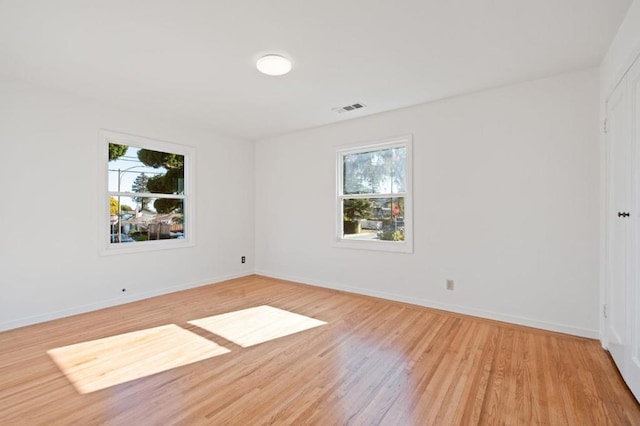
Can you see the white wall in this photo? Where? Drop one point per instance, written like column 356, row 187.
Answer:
column 623, row 50
column 49, row 256
column 505, row 203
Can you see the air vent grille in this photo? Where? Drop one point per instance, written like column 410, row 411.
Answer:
column 349, row 108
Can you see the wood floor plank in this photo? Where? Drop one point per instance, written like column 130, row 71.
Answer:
column 373, row 362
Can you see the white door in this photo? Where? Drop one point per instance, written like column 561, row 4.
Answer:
column 632, row 373
column 618, row 241
column 622, row 331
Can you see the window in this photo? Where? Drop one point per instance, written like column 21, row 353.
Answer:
column 374, row 196
column 148, row 202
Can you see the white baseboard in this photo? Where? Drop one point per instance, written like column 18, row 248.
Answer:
column 529, row 322
column 21, row 322
column 513, row 319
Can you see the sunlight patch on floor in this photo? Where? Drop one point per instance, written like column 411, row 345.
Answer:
column 252, row 326
column 99, row 364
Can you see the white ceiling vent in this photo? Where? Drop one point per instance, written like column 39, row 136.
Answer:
column 348, row 108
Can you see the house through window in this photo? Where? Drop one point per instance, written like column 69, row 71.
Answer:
column 374, row 196
column 149, row 204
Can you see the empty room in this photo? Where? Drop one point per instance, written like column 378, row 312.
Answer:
column 341, row 212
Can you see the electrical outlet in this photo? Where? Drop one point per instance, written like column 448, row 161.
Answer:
column 243, row 259
column 449, row 284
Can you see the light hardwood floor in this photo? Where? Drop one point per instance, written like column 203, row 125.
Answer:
column 347, row 359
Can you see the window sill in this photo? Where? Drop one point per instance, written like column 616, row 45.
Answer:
column 388, row 246
column 146, row 246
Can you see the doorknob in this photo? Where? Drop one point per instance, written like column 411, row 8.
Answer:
column 623, row 214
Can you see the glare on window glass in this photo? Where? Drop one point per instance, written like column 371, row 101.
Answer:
column 375, row 172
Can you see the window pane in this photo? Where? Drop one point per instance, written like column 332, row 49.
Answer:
column 133, row 169
column 373, row 218
column 146, row 219
column 375, row 172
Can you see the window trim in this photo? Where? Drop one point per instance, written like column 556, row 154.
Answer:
column 104, row 236
column 406, row 246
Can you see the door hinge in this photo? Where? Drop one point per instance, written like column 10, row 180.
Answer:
column 604, row 310
column 604, row 126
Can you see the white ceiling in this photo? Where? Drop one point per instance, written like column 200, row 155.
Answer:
column 195, row 59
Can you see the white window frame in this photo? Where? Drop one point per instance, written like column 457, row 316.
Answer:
column 108, row 248
column 405, row 246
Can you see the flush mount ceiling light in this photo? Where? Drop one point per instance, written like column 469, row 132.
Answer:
column 273, row 65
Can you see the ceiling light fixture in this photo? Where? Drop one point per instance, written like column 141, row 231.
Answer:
column 273, row 65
